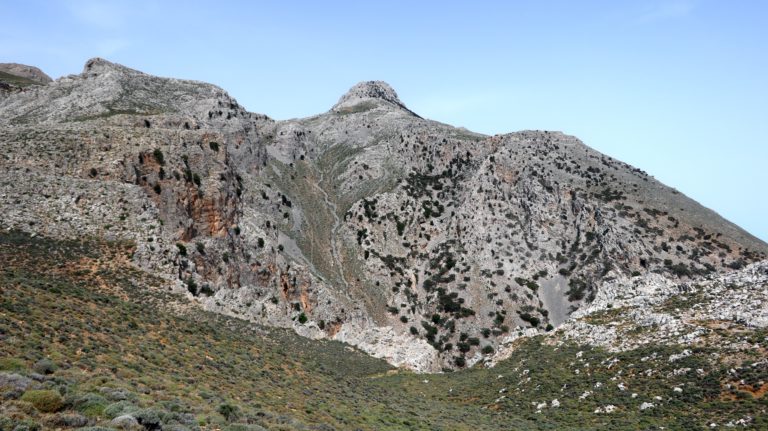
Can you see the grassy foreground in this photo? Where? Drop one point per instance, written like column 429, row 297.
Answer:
column 86, row 338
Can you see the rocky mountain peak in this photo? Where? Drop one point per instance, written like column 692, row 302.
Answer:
column 368, row 90
column 98, row 65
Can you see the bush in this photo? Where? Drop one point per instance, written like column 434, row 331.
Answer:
column 159, row 156
column 12, row 364
column 229, row 411
column 91, row 405
column 487, row 349
column 64, row 420
column 303, row 318
column 577, row 289
column 118, row 409
column 206, row 290
column 18, row 425
column 533, row 320
column 182, row 249
column 44, row 366
column 45, row 401
column 192, row 286
column 149, row 418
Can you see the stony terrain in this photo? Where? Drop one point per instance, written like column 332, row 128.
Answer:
column 426, row 245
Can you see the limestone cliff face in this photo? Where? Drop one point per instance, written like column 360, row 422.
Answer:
column 410, row 238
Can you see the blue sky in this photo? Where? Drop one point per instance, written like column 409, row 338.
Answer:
column 678, row 88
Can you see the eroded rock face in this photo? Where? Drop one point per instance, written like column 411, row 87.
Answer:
column 653, row 310
column 413, row 240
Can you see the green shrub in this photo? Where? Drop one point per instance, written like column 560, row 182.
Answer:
column 91, row 405
column 192, row 286
column 18, row 425
column 487, row 349
column 118, row 409
column 229, row 411
column 44, row 366
column 159, row 156
column 45, row 401
column 12, row 364
column 206, row 290
column 303, row 318
column 149, row 418
column 533, row 320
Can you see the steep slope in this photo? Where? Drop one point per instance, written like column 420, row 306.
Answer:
column 419, row 242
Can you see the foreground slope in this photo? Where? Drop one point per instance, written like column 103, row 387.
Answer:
column 421, row 243
column 89, row 339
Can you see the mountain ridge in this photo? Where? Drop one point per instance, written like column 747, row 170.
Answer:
column 366, row 224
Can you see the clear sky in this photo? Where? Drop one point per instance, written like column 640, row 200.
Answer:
column 678, row 88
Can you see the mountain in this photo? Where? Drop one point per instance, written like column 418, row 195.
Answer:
column 16, row 77
column 424, row 244
column 31, row 73
column 171, row 261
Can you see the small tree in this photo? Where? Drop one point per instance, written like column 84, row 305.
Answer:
column 159, row 156
column 229, row 411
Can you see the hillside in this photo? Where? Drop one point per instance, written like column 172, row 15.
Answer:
column 16, row 77
column 366, row 224
column 108, row 345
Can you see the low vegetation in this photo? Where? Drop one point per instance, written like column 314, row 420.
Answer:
column 87, row 339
